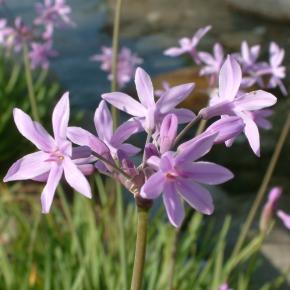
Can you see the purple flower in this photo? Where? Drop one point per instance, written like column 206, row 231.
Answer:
column 41, row 53
column 178, row 176
column 115, row 141
column 225, row 286
column 147, row 111
column 53, row 13
column 54, row 157
column 4, row 32
column 270, row 207
column 277, row 70
column 285, row 218
column 18, row 35
column 188, row 45
column 212, row 63
column 228, row 102
column 126, row 66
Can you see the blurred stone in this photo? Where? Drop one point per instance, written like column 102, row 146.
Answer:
column 233, row 40
column 271, row 9
column 198, row 98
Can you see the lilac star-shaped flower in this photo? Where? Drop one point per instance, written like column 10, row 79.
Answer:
column 54, row 158
column 179, row 175
column 149, row 112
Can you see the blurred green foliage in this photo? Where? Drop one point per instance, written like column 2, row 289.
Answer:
column 13, row 93
column 77, row 247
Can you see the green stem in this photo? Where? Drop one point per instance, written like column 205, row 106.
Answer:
column 115, row 117
column 140, row 251
column 263, row 187
column 120, row 216
column 186, row 129
column 29, row 82
column 115, row 47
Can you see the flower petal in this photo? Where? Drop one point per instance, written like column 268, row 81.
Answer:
column 129, row 149
column 173, row 97
column 206, row 172
column 154, row 162
column 174, row 51
column 33, row 131
column 60, row 118
column 253, row 136
column 195, row 148
column 256, row 100
column 168, row 132
column 125, row 103
column 103, row 122
column 82, row 137
column 183, row 115
column 144, row 88
column 173, row 204
column 28, row 167
column 50, row 187
column 230, row 78
column 75, row 178
column 197, row 196
column 125, row 131
column 285, row 218
column 153, row 187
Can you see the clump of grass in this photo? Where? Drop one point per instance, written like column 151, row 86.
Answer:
column 76, row 247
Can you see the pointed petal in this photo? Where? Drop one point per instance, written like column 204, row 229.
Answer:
column 173, row 204
column 195, row 148
column 103, row 122
column 82, row 137
column 33, row 131
column 183, row 115
column 168, row 132
column 144, row 88
column 255, row 100
column 125, row 131
column 206, row 172
column 129, row 149
column 75, row 178
column 28, row 167
column 60, row 118
column 285, row 218
column 196, row 196
column 154, row 162
column 153, row 186
column 125, row 103
column 173, row 97
column 50, row 187
column 253, row 136
column 229, row 79
column 174, row 51
column 227, row 128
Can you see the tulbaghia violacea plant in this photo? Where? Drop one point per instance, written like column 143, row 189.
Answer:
column 170, row 166
column 126, row 64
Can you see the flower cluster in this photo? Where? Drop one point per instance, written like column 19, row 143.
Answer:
column 126, row 64
column 168, row 168
column 266, row 75
column 38, row 38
